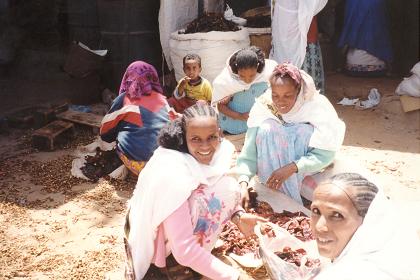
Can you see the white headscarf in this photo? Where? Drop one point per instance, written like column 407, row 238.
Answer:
column 163, row 185
column 384, row 247
column 290, row 26
column 310, row 107
column 228, row 83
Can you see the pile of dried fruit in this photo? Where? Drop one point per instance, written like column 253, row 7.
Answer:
column 210, row 22
column 295, row 256
column 101, row 164
column 296, row 223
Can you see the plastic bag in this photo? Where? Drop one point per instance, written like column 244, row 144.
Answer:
column 89, row 150
column 411, row 85
column 120, row 173
column 276, row 267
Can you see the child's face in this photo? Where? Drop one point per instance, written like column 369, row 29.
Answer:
column 247, row 74
column 284, row 96
column 203, row 138
column 192, row 69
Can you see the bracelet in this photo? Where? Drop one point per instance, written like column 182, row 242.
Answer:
column 237, row 214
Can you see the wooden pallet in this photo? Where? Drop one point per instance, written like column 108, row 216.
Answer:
column 89, row 119
column 46, row 136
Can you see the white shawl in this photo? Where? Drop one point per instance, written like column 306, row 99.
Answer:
column 384, row 247
column 310, row 107
column 228, row 83
column 290, row 26
column 163, row 185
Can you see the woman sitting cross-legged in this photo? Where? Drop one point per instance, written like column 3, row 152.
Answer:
column 293, row 131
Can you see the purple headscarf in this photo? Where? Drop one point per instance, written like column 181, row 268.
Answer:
column 139, row 79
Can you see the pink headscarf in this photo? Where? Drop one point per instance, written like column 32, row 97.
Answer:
column 290, row 70
column 139, row 79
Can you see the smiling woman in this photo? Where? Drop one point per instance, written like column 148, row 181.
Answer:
column 183, row 210
column 293, row 131
column 363, row 233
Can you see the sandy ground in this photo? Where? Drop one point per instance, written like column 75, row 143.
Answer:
column 53, row 226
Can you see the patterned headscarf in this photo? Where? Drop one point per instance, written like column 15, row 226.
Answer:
column 139, row 79
column 289, row 70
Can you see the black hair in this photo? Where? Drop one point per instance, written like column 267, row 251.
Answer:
column 249, row 57
column 277, row 77
column 192, row 56
column 360, row 190
column 172, row 135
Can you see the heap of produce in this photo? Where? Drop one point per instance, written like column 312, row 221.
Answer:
column 101, row 164
column 296, row 223
column 295, row 256
column 210, row 22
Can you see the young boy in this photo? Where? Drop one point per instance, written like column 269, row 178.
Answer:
column 192, row 87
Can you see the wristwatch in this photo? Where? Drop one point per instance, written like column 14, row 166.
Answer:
column 236, row 217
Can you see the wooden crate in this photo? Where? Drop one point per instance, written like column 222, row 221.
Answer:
column 46, row 137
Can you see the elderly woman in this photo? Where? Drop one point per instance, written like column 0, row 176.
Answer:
column 136, row 116
column 362, row 232
column 293, row 131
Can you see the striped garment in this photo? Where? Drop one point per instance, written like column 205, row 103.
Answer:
column 135, row 124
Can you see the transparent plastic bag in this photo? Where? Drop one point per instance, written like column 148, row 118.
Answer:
column 279, row 269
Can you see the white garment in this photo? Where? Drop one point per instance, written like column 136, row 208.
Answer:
column 228, row 83
column 384, row 247
column 163, row 186
column 174, row 15
column 290, row 25
column 310, row 107
column 361, row 57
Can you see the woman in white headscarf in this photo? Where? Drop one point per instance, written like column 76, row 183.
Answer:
column 365, row 235
column 293, row 131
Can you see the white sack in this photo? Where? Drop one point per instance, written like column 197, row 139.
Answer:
column 411, row 85
column 213, row 47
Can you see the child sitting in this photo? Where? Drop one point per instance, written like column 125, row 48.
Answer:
column 192, row 87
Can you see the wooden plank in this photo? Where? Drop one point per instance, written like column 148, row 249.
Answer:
column 46, row 136
column 410, row 103
column 89, row 119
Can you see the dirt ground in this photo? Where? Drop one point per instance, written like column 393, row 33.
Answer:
column 54, row 226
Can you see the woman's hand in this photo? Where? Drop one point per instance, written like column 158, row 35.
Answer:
column 247, row 223
column 280, row 175
column 244, row 194
column 243, row 116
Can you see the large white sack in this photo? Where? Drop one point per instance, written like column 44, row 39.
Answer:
column 213, row 47
column 416, row 69
column 411, row 85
